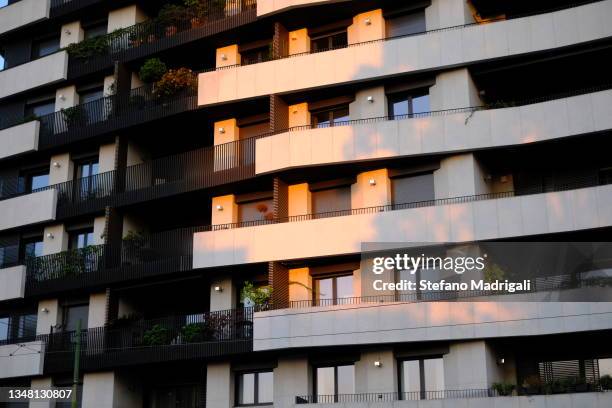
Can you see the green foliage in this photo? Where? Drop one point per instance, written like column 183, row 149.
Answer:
column 89, row 48
column 157, row 335
column 74, row 116
column 153, row 70
column 503, row 389
column 494, row 273
column 174, row 81
column 606, row 382
column 171, row 14
column 260, row 296
column 192, row 333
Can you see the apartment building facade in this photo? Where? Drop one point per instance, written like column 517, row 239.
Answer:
column 186, row 188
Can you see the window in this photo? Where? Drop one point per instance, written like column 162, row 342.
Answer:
column 85, row 170
column 406, row 24
column 413, row 188
column 178, row 396
column 255, row 55
column 92, row 110
column 34, row 180
column 408, row 103
column 39, row 109
column 32, row 247
column 255, row 388
column 72, row 313
column 330, row 117
column 422, row 378
column 331, row 199
column 332, row 382
column 333, row 290
column 255, row 210
column 44, row 47
column 17, row 327
column 81, row 239
column 329, row 41
column 95, row 30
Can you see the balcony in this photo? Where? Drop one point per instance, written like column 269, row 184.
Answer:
column 435, row 132
column 12, row 281
column 440, row 48
column 277, row 6
column 28, row 209
column 22, row 13
column 19, row 139
column 62, row 7
column 463, row 398
column 22, row 360
column 44, row 71
column 501, row 215
column 125, row 342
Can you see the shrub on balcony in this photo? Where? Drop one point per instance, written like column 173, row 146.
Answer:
column 152, row 70
column 174, row 81
column 503, row 389
column 157, row 335
column 606, row 382
column 255, row 296
column 74, row 116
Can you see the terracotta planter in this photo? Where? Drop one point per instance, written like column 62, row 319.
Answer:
column 196, row 22
column 171, row 30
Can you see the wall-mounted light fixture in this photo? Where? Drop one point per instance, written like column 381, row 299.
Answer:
column 372, row 182
column 62, row 97
column 223, row 57
column 218, row 289
column 68, row 32
column 368, row 21
column 57, row 165
column 501, row 361
column 221, row 130
column 219, row 207
column 371, row 99
column 378, row 364
column 44, row 310
column 50, row 235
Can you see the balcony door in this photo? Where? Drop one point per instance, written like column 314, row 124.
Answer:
column 334, row 290
column 422, row 379
column 86, row 182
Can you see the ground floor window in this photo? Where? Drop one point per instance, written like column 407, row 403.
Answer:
column 421, row 378
column 255, row 388
column 334, row 382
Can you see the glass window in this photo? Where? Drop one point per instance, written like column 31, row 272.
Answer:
column 40, row 109
column 330, row 117
column 333, row 382
column 96, row 30
column 44, row 47
column 408, row 103
column 4, row 328
column 85, row 171
column 255, row 388
column 255, row 55
column 414, row 188
column 34, row 180
column 255, row 210
column 422, row 379
column 331, row 199
column 81, row 239
column 329, row 41
column 334, row 290
column 32, row 248
column 74, row 313
column 406, row 24
column 18, row 326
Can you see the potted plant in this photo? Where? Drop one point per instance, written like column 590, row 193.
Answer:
column 255, row 296
column 174, row 81
column 503, row 389
column 133, row 243
column 196, row 10
column 157, row 335
column 74, row 116
column 532, row 385
column 605, row 382
column 192, row 333
column 152, row 70
column 170, row 16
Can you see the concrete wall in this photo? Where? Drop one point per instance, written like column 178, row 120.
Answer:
column 275, row 6
column 44, row 71
column 66, row 97
column 227, row 56
column 99, row 230
column 363, row 108
column 553, row 212
column 368, row 26
column 299, row 41
column 26, row 360
column 42, row 383
column 219, row 385
column 224, row 299
column 19, row 139
column 471, row 365
column 61, row 168
column 458, row 176
column 224, row 210
column 71, row 33
column 429, row 321
column 97, row 310
column 106, row 157
column 12, row 282
column 300, row 284
column 109, row 390
column 55, row 239
column 370, row 378
column 448, row 13
column 454, row 89
column 446, row 133
column 292, row 377
column 299, row 115
column 299, row 199
column 49, row 314
column 403, row 55
column 372, row 189
column 23, row 13
column 28, row 209
column 125, row 17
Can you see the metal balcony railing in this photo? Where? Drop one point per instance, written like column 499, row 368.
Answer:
column 136, row 341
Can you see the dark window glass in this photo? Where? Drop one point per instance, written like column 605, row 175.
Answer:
column 32, row 247
column 334, row 289
column 44, row 47
column 33, row 180
column 40, row 109
column 333, row 382
column 417, row 377
column 406, row 24
column 183, row 396
column 74, row 313
column 255, row 55
column 331, row 199
column 85, row 172
column 18, row 326
column 96, row 30
column 413, row 188
column 81, row 239
column 255, row 388
column 329, row 41
column 330, row 117
column 408, row 103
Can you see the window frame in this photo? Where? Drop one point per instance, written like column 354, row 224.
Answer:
column 35, row 46
column 237, row 382
column 409, row 96
column 329, row 36
column 331, row 110
column 422, row 383
column 335, row 366
column 334, row 277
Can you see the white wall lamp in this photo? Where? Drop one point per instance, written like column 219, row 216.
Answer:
column 219, row 207
column 221, row 130
column 371, row 99
column 368, row 21
column 62, row 97
column 218, row 289
column 57, row 165
column 50, row 235
column 68, row 32
column 223, row 57
column 44, row 310
column 378, row 364
column 372, row 182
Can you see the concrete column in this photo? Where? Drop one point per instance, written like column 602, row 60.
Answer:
column 72, row 33
column 223, row 294
column 458, row 176
column 368, row 26
column 136, row 82
column 99, row 230
column 61, row 168
column 125, row 17
column 471, row 365
column 300, row 199
column 454, row 89
column 373, row 188
column 97, row 310
column 55, row 239
column 299, row 115
column 369, row 103
column 224, row 210
column 228, row 56
column 448, row 13
column 48, row 315
column 370, row 378
column 109, row 85
column 42, row 383
column 135, row 155
column 110, row 390
column 226, row 131
column 300, row 285
column 219, row 385
column 66, row 97
column 291, row 378
column 299, row 41
column 106, row 157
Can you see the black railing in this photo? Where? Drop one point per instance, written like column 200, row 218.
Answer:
column 126, row 342
column 149, row 37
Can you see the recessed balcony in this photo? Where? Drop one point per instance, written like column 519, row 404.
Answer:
column 22, row 13
column 43, row 71
column 385, row 58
